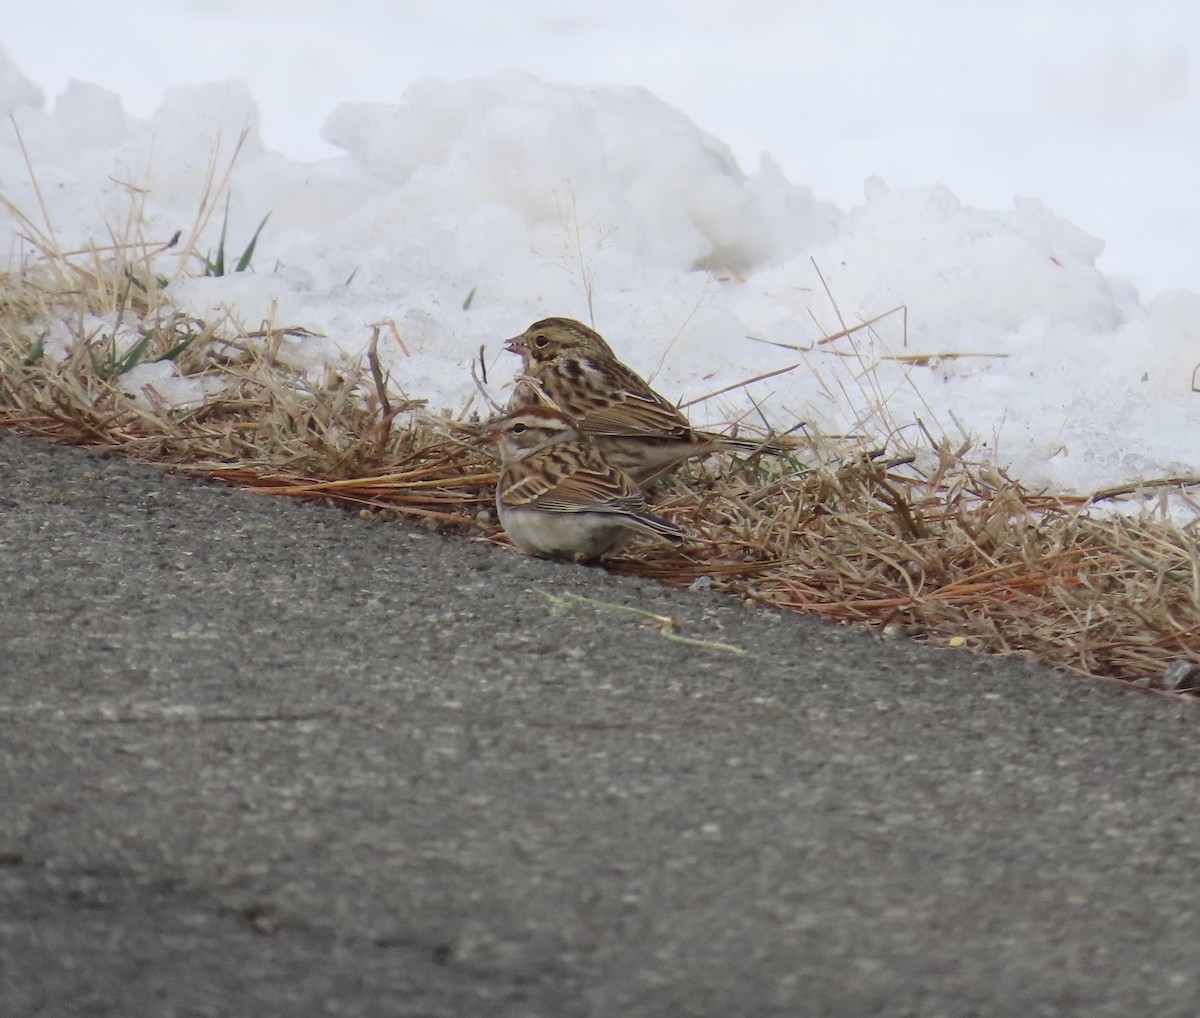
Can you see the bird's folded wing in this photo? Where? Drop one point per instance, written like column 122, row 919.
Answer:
column 631, row 415
column 580, row 491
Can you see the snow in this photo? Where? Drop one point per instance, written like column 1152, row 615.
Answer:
column 541, row 195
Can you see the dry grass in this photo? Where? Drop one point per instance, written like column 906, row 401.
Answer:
column 917, row 540
column 960, row 554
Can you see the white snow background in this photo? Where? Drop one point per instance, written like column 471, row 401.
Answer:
column 1024, row 179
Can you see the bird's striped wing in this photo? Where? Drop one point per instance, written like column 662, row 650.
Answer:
column 562, row 484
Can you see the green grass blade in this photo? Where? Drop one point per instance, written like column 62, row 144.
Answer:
column 176, row 350
column 133, row 356
column 243, row 263
column 217, row 267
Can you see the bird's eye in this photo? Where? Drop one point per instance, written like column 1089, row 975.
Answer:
column 519, row 429
column 540, row 342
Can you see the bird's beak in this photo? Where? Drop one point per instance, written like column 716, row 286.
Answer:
column 517, row 345
column 491, row 430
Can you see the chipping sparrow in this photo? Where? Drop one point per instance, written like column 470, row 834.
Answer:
column 558, row 495
column 571, row 367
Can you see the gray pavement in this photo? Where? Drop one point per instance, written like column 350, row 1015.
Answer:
column 264, row 758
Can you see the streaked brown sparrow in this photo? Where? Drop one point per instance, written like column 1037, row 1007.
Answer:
column 571, row 367
column 559, row 496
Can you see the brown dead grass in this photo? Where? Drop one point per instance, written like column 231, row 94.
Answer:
column 918, row 539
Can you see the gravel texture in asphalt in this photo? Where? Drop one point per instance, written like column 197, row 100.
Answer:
column 259, row 757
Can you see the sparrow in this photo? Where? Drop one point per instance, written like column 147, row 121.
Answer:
column 558, row 496
column 570, row 367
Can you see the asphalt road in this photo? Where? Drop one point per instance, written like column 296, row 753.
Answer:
column 263, row 758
